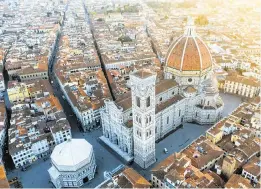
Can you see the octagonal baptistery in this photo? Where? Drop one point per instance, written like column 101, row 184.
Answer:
column 73, row 163
column 188, row 60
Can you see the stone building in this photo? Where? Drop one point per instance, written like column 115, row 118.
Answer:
column 241, row 85
column 228, row 166
column 73, row 164
column 123, row 177
column 188, row 93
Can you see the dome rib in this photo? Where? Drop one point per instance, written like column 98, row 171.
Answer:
column 182, row 58
column 207, row 50
column 172, row 47
column 199, row 53
column 189, row 54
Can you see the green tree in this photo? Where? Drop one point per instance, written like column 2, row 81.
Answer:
column 201, row 20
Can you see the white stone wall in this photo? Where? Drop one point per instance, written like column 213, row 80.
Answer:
column 75, row 178
column 166, row 120
column 241, row 89
column 2, row 86
column 143, row 109
column 200, row 107
column 161, row 97
column 114, row 128
column 62, row 136
column 40, row 147
column 23, row 157
column 249, row 176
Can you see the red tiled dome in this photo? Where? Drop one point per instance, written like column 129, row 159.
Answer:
column 188, row 53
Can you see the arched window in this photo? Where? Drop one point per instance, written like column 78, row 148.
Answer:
column 148, row 102
column 138, row 101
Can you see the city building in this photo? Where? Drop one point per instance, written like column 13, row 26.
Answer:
column 35, row 129
column 177, row 171
column 251, row 170
column 73, row 163
column 123, row 177
column 231, row 146
column 3, row 127
column 2, row 84
column 3, row 178
column 188, row 93
column 228, row 166
column 78, row 69
column 237, row 181
column 241, row 85
column 17, row 92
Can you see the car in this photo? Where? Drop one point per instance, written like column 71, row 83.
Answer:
column 165, row 150
column 63, row 97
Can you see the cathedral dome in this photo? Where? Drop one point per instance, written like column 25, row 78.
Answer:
column 189, row 52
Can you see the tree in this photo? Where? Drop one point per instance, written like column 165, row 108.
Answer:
column 226, row 69
column 242, row 20
column 124, row 39
column 201, row 20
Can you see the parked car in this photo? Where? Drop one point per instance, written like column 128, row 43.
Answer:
column 165, row 150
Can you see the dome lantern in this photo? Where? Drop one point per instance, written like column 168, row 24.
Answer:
column 188, row 53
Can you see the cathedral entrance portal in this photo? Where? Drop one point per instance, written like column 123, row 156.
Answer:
column 85, row 179
column 115, row 139
column 125, row 148
column 106, row 134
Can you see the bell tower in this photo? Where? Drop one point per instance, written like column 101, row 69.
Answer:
column 143, row 110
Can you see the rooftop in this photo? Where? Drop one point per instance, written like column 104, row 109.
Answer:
column 70, row 153
column 143, row 74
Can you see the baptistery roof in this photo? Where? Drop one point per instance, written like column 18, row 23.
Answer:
column 72, row 154
column 188, row 52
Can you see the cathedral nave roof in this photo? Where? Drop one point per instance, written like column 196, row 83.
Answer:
column 165, row 85
column 125, row 102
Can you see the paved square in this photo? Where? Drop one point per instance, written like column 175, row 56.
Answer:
column 106, row 160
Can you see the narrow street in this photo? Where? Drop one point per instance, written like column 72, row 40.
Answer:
column 106, row 159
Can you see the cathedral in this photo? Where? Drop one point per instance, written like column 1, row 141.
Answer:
column 188, row 93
